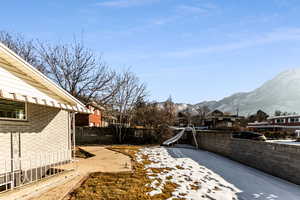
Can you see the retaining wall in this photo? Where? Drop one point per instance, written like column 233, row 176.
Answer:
column 280, row 160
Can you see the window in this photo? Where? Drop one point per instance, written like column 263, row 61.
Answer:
column 12, row 110
column 278, row 121
column 294, row 120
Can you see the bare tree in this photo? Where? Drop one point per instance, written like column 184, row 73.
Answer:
column 79, row 71
column 24, row 48
column 131, row 90
column 202, row 113
column 187, row 115
column 170, row 111
column 167, row 119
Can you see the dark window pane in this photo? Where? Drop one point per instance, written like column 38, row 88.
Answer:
column 12, row 109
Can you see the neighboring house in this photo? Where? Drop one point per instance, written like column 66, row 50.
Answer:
column 108, row 120
column 215, row 113
column 277, row 123
column 219, row 120
column 36, row 122
column 97, row 117
column 182, row 119
column 94, row 119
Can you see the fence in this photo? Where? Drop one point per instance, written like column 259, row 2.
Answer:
column 281, row 160
column 15, row 173
column 108, row 135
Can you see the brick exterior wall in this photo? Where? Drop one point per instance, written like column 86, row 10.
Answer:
column 280, row 160
column 82, row 119
column 90, row 120
column 45, row 132
column 95, row 119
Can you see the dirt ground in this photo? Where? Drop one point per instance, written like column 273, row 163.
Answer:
column 104, row 161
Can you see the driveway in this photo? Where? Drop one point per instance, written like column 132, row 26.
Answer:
column 254, row 184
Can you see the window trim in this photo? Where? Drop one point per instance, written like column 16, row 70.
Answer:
column 15, row 119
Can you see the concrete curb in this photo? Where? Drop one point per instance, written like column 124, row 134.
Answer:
column 74, row 187
column 25, row 193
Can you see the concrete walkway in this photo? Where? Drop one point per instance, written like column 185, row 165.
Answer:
column 103, row 161
column 254, row 184
column 58, row 187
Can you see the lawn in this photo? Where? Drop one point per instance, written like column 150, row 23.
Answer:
column 135, row 185
column 156, row 175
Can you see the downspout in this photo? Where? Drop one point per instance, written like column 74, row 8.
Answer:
column 74, row 137
column 70, row 134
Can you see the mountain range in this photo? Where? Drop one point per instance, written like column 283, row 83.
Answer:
column 281, row 93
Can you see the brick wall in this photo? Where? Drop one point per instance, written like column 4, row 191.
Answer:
column 82, row 119
column 280, row 160
column 91, row 120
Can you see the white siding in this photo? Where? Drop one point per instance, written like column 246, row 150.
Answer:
column 43, row 138
column 4, row 152
column 14, row 81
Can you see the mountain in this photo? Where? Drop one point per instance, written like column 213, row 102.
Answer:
column 183, row 107
column 281, row 93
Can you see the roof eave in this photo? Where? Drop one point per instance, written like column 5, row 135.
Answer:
column 41, row 77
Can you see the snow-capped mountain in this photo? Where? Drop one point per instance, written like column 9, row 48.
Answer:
column 281, row 93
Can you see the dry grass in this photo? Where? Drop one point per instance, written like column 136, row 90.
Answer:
column 124, row 186
column 179, row 167
column 195, row 187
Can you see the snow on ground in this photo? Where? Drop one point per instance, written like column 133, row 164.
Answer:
column 195, row 182
column 253, row 184
column 289, row 142
column 204, row 175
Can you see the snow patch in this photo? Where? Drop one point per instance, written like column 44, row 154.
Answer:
column 195, row 182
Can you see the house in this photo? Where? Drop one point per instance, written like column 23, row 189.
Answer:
column 108, row 120
column 182, row 119
column 94, row 119
column 98, row 117
column 219, row 120
column 36, row 122
column 277, row 123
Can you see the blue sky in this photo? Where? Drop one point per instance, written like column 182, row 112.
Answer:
column 194, row 50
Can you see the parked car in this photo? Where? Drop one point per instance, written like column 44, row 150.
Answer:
column 249, row 135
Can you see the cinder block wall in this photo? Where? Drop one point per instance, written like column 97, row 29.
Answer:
column 280, row 160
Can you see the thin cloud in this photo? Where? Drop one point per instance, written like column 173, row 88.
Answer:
column 192, row 9
column 182, row 11
column 125, row 3
column 196, row 9
column 292, row 34
column 275, row 36
column 164, row 20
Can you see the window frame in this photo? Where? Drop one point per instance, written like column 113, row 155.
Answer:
column 15, row 119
